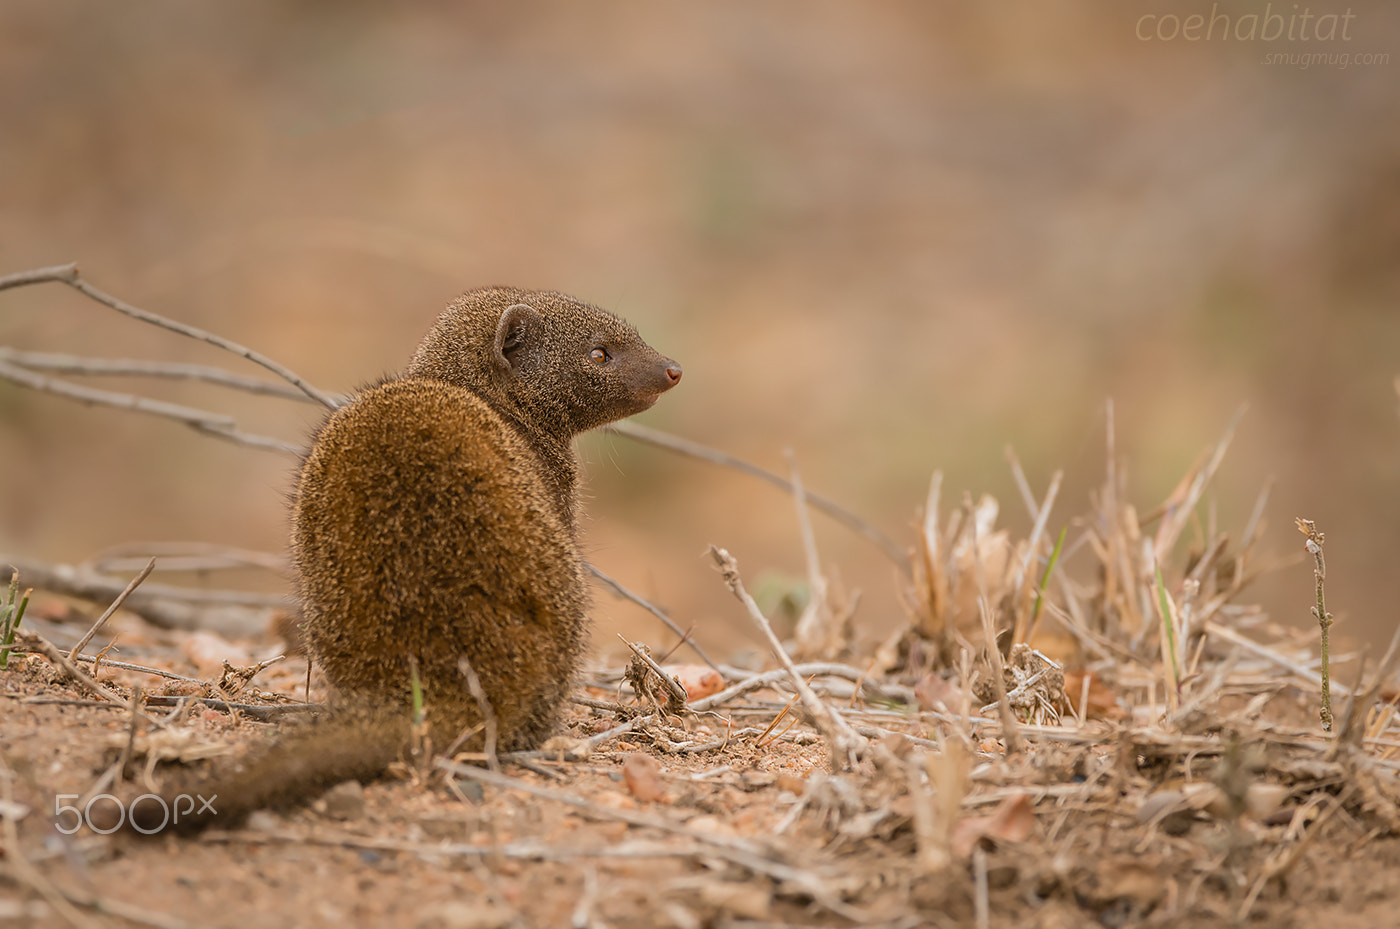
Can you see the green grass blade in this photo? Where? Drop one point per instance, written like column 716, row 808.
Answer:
column 1045, row 578
column 1167, row 625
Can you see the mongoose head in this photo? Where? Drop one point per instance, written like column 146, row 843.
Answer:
column 549, row 360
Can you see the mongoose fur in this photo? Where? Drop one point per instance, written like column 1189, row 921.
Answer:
column 433, row 527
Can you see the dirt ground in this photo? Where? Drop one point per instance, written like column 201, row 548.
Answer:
column 1236, row 808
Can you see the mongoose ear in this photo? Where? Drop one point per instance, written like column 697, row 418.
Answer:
column 518, row 324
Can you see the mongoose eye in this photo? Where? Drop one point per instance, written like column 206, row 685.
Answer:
column 600, row 356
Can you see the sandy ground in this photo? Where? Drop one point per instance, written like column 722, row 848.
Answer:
column 1082, row 826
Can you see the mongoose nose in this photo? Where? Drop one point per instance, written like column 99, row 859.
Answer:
column 673, row 374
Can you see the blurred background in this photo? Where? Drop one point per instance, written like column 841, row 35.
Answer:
column 894, row 237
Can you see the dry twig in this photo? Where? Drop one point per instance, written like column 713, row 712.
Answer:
column 654, row 610
column 116, row 605
column 214, row 424
column 68, row 274
column 488, row 714
column 128, row 367
column 843, row 744
column 163, row 605
column 837, row 512
column 1324, row 619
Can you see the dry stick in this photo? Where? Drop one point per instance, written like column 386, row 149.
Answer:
column 201, row 557
column 1263, row 651
column 1256, row 516
column 759, row 681
column 817, row 614
column 1353, row 727
column 68, row 274
column 581, row 750
column 738, row 851
column 258, row 711
column 184, row 414
column 1178, row 511
column 132, row 725
column 79, row 581
column 132, row 367
column 581, row 918
column 1324, row 618
column 214, row 424
column 843, row 744
column 488, row 715
column 1022, row 485
column 1009, row 731
column 981, row 905
column 1023, row 573
column 1115, row 557
column 231, row 555
column 804, row 525
column 626, row 594
column 593, row 742
column 837, row 512
column 116, row 605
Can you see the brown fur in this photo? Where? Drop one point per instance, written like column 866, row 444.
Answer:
column 434, row 520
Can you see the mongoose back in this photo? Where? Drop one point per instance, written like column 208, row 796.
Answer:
column 433, row 530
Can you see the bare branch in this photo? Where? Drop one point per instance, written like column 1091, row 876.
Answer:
column 68, row 274
column 127, row 557
column 837, row 512
column 133, row 367
column 164, row 605
column 215, row 424
column 654, row 610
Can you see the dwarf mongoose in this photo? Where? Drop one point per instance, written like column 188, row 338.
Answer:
column 433, row 530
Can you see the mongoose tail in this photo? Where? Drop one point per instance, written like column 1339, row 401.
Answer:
column 297, row 766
